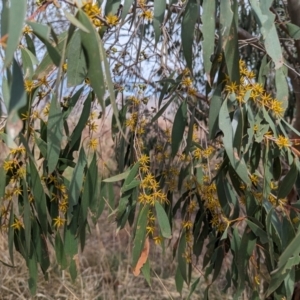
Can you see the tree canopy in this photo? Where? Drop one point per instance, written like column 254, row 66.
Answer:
column 203, row 101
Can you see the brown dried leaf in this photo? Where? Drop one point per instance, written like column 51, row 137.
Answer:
column 143, row 258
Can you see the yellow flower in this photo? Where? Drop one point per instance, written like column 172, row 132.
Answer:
column 147, row 14
column 97, row 22
column 28, row 84
column 93, row 143
column 265, row 99
column 283, row 141
column 92, row 126
column 255, row 128
column 92, row 10
column 186, row 82
column 197, row 153
column 27, row 30
column 8, row 165
column 254, row 179
column 17, row 224
column 150, row 229
column 192, row 91
column 63, row 206
column 157, row 240
column 112, row 19
column 46, row 109
column 141, row 3
column 231, row 88
column 18, row 150
column 276, row 108
column 187, row 224
column 144, row 160
column 65, row 67
column 59, row 222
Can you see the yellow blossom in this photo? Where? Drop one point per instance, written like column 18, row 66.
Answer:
column 92, row 10
column 277, row 108
column 186, row 82
column 197, row 153
column 147, row 14
column 157, row 240
column 59, row 222
column 18, row 150
column 232, row 87
column 17, row 224
column 150, row 229
column 112, row 19
column 27, row 30
column 92, row 126
column 29, row 85
column 93, row 143
column 283, row 142
column 254, row 179
column 187, row 224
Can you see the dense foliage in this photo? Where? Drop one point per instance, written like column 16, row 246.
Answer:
column 201, row 96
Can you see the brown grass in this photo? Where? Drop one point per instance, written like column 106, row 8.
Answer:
column 104, row 272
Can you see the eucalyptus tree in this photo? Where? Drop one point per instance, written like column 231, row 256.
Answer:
column 204, row 105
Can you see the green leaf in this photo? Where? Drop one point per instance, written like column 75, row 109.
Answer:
column 259, row 232
column 33, row 272
column 47, row 65
column 178, row 127
column 229, row 40
column 77, row 70
column 11, row 234
column 75, row 22
column 237, row 162
column 17, row 93
column 159, row 13
column 163, row 220
column 16, row 17
column 208, row 30
column 27, row 217
column 28, row 60
column 288, row 182
column 182, row 264
column 54, row 134
column 2, row 182
column 191, row 14
column 4, row 19
column 178, row 280
column 76, row 181
column 134, row 183
column 42, row 32
column 112, row 7
column 73, row 270
column 117, row 177
column 293, row 249
column 268, row 30
column 146, row 271
column 132, row 174
column 247, row 245
column 59, row 251
column 214, row 110
column 282, row 89
column 39, row 196
column 140, row 235
column 126, row 7
column 193, row 287
column 91, row 43
column 294, row 30
column 110, row 86
column 90, row 186
column 76, row 134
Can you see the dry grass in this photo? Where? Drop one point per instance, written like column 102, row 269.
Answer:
column 104, row 273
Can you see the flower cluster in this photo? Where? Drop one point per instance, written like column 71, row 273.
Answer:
column 248, row 89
